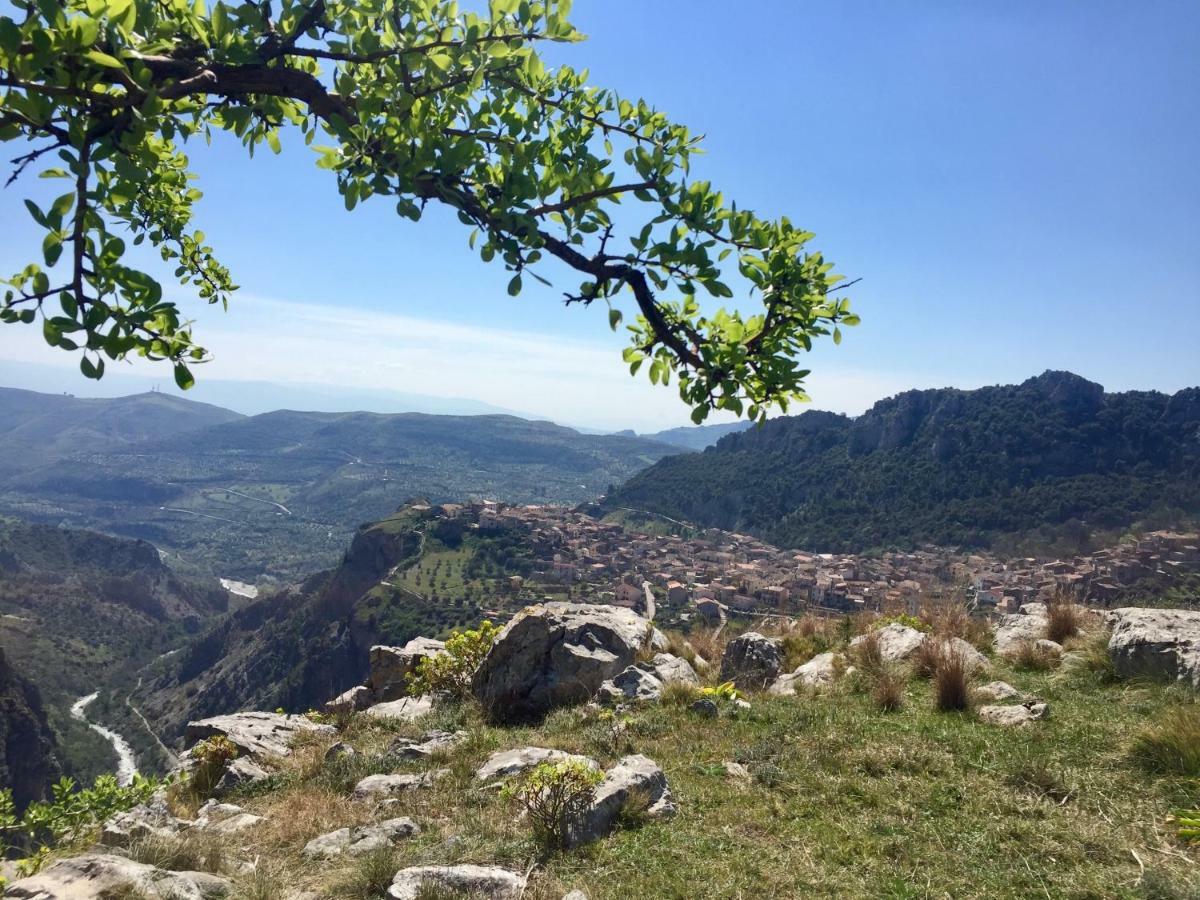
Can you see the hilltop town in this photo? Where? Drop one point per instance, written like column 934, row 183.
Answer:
column 715, row 574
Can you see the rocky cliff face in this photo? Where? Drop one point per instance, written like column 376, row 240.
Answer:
column 944, row 466
column 27, row 748
column 294, row 649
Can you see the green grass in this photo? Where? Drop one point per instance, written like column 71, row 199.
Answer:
column 843, row 800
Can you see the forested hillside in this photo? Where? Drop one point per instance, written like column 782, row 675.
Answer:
column 1044, row 462
column 279, row 495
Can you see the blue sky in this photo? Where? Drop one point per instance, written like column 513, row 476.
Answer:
column 1015, row 182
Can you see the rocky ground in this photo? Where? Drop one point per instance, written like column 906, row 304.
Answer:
column 831, row 772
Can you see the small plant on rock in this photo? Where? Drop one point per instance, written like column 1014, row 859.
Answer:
column 449, row 674
column 212, row 756
column 554, row 795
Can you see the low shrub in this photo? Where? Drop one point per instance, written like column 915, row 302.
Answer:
column 449, row 674
column 69, row 815
column 1172, row 745
column 554, row 795
column 951, row 688
column 721, row 692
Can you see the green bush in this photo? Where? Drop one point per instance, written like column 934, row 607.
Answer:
column 449, row 673
column 553, row 794
column 68, row 816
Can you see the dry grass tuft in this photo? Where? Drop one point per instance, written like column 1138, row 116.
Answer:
column 370, row 875
column 1028, row 657
column 1063, row 620
column 868, row 655
column 709, row 643
column 925, row 659
column 679, row 693
column 888, row 690
column 299, row 813
column 951, row 679
column 1172, row 745
column 193, row 851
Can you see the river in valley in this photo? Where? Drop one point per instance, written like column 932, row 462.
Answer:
column 126, row 761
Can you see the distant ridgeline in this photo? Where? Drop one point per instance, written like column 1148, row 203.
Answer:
column 1026, row 466
column 278, row 494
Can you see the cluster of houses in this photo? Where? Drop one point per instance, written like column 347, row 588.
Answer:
column 1102, row 578
column 718, row 573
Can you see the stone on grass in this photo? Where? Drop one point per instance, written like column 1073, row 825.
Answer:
column 736, row 771
column 257, row 734
column 1048, row 647
column 489, row 882
column 406, row 709
column 645, row 681
column 1021, row 714
column 896, row 641
column 506, row 763
column 1012, row 631
column 819, row 671
column 1157, row 643
column 97, row 875
column 389, row 667
column 751, row 661
column 354, row 700
column 997, row 691
column 705, row 706
column 360, row 839
column 633, row 779
column 378, row 787
column 557, row 654
column 239, row 773
column 970, row 655
column 428, row 744
column 151, row 819
column 340, row 750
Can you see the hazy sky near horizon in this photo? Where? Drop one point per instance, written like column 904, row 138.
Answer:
column 1016, row 183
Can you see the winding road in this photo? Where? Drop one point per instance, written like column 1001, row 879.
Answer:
column 126, row 761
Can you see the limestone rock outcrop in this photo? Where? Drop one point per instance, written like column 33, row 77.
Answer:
column 557, row 654
column 751, row 661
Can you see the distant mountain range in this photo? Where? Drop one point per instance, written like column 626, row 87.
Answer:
column 279, row 493
column 695, row 437
column 1049, row 460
